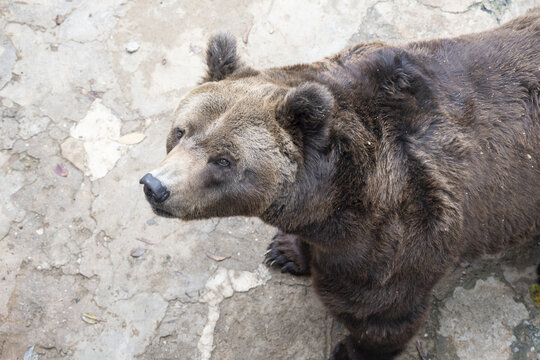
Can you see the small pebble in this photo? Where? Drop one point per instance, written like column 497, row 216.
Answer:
column 132, row 46
column 39, row 231
column 61, row 170
column 138, row 252
column 151, row 222
column 59, row 19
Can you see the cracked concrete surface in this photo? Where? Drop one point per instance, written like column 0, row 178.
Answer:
column 69, row 91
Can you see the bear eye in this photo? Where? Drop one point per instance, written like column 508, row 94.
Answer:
column 178, row 133
column 223, row 162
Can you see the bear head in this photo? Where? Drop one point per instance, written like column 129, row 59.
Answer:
column 238, row 141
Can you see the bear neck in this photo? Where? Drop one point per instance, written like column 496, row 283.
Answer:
column 323, row 203
column 307, row 202
column 336, row 188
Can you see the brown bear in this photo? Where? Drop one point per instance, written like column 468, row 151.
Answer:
column 382, row 166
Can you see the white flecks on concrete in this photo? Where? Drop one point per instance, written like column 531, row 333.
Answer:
column 220, row 286
column 98, row 130
column 7, row 59
column 132, row 46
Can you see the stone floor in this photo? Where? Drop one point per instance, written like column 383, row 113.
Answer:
column 88, row 272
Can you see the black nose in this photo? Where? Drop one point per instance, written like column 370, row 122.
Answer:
column 154, row 189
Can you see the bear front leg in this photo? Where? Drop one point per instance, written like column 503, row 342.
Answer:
column 382, row 335
column 378, row 337
column 289, row 253
column 381, row 317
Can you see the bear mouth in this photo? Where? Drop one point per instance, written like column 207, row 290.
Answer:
column 162, row 213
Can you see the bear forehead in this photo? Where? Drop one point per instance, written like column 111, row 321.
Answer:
column 235, row 103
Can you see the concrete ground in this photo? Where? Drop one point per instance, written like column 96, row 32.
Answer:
column 88, row 272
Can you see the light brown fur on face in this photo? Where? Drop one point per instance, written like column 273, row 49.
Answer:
column 232, row 121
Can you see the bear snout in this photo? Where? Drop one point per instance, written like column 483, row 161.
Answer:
column 155, row 191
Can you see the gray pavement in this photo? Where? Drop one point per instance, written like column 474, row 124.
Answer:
column 87, row 271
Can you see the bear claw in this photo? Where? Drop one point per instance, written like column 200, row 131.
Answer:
column 285, row 251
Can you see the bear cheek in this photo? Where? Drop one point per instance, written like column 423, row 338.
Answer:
column 213, row 177
column 256, row 190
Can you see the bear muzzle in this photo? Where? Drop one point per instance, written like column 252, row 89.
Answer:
column 155, row 191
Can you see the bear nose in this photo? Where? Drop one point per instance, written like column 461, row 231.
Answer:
column 154, row 189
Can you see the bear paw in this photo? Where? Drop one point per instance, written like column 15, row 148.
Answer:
column 286, row 251
column 340, row 352
column 347, row 349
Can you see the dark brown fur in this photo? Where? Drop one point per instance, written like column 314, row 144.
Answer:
column 409, row 160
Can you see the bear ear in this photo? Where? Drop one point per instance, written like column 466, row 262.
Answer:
column 221, row 57
column 307, row 108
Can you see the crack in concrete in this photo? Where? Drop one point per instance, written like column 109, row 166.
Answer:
column 439, row 8
column 81, row 42
column 8, row 81
column 158, row 325
column 39, row 28
column 478, row 4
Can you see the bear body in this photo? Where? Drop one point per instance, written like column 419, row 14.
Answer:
column 382, row 166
